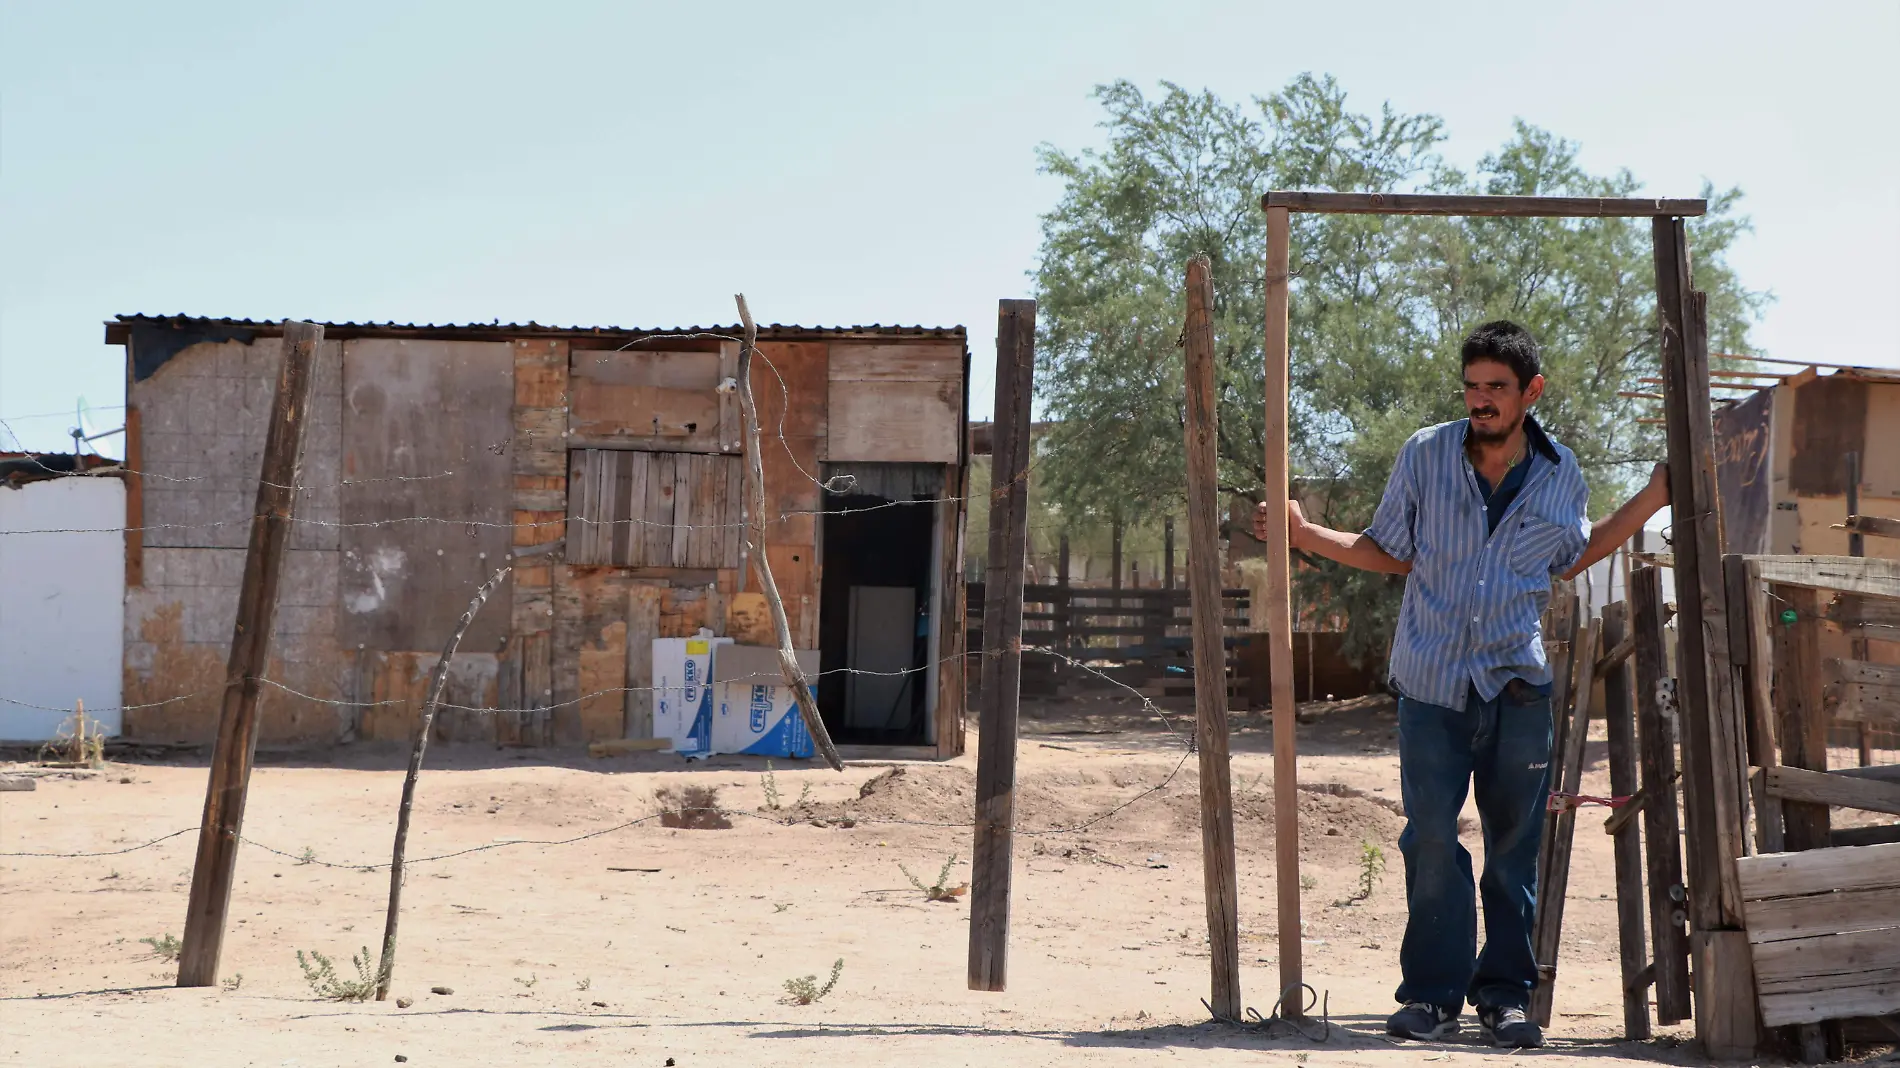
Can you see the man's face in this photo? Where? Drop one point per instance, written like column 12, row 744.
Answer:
column 1494, row 400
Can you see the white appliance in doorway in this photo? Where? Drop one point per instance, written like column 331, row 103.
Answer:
column 883, row 634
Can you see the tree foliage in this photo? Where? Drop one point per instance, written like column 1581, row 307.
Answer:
column 1378, row 305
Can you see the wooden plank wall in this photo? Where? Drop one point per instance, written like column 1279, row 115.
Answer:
column 1824, row 926
column 654, row 509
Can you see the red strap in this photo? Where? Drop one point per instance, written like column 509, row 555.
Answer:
column 1560, row 801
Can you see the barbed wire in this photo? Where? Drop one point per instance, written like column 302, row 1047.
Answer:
column 308, row 857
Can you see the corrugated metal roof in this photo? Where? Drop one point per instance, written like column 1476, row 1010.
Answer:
column 118, row 329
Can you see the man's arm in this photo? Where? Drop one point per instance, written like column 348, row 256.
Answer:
column 1353, row 550
column 1620, row 526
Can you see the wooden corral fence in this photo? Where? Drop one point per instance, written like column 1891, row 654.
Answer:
column 1138, row 637
column 1820, row 904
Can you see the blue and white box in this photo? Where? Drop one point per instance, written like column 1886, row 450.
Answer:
column 755, row 710
column 683, row 708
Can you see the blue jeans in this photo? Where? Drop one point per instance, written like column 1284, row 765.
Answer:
column 1502, row 748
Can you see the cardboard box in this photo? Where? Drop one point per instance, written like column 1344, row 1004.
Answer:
column 683, row 708
column 755, row 710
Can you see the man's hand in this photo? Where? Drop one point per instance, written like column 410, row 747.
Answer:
column 1659, row 482
column 1295, row 522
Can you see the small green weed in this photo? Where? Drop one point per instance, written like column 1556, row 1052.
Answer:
column 937, row 891
column 1371, row 869
column 529, row 982
column 164, row 946
column 805, row 989
column 308, row 856
column 233, row 982
column 328, row 985
column 770, row 783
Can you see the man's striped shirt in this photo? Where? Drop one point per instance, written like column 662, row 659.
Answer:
column 1474, row 600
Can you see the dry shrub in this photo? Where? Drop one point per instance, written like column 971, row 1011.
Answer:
column 694, row 807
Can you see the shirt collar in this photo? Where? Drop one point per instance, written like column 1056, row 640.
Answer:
column 1534, row 435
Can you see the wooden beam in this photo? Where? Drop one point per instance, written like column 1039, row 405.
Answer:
column 1881, row 834
column 1222, row 887
column 232, row 755
column 1803, row 727
column 1714, row 764
column 1838, row 791
column 1560, row 829
column 1869, row 576
column 1275, row 610
column 1435, row 204
column 1752, row 637
column 1662, row 848
column 1002, row 667
column 1820, row 870
column 1619, row 715
column 1878, row 526
column 1855, row 610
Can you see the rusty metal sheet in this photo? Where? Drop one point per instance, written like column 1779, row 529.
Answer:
column 1830, row 421
column 426, row 431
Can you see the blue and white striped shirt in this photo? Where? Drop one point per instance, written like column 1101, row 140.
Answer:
column 1474, row 600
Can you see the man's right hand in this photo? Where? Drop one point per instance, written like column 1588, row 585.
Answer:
column 1295, row 522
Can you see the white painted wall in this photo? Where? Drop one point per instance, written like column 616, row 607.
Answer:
column 62, row 605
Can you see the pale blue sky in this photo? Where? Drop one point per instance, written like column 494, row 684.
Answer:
column 636, row 164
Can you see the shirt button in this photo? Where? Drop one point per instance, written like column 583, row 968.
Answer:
column 1474, row 619
column 1480, row 582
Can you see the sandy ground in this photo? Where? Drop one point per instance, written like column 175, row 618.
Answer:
column 555, row 957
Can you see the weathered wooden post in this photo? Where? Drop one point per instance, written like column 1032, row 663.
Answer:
column 1662, row 828
column 1714, row 760
column 1619, row 715
column 438, row 680
column 1222, row 886
column 1276, row 613
column 1002, row 667
column 236, row 746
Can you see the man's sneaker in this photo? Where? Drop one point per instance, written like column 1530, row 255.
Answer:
column 1511, row 1028
column 1422, row 1020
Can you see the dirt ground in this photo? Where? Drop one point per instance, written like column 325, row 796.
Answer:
column 654, row 946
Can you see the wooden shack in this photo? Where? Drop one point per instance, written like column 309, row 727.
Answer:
column 603, row 464
column 1786, row 455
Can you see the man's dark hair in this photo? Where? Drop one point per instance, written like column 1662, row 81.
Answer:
column 1507, row 343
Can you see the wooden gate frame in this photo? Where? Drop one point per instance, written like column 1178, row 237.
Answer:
column 1715, row 765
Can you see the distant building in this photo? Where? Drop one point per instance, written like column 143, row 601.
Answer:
column 603, row 463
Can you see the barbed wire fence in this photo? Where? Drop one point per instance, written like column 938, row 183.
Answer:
column 1181, row 742
column 836, row 486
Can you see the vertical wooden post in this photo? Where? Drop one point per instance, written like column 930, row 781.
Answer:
column 1276, row 617
column 990, row 855
column 1560, row 829
column 231, row 758
column 1857, row 546
column 392, row 917
column 1662, row 849
column 1753, row 654
column 1222, row 886
column 1713, row 760
column 1065, row 603
column 1167, row 550
column 1115, row 576
column 1803, row 717
column 1619, row 714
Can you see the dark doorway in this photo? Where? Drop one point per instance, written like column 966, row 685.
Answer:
column 874, row 611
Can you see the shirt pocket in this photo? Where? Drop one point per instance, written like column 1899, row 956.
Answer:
column 1535, row 543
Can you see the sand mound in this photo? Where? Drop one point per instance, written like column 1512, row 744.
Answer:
column 1140, row 802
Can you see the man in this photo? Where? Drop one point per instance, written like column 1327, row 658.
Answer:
column 1479, row 514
